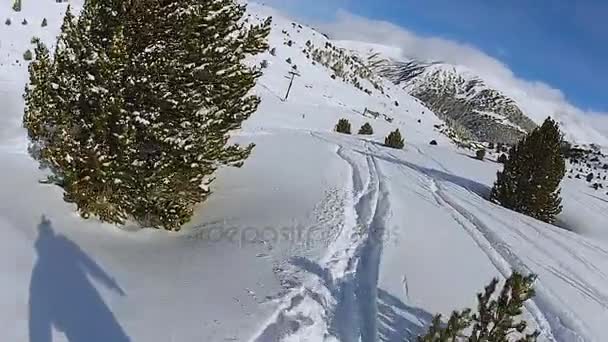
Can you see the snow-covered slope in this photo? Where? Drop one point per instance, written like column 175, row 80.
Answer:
column 483, row 105
column 319, row 237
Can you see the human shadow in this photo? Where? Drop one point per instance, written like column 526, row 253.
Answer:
column 398, row 321
column 62, row 295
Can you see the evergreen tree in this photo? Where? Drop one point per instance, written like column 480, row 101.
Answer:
column 132, row 114
column 480, row 154
column 497, row 318
column 8, row 22
column 529, row 183
column 366, row 129
column 44, row 22
column 502, row 158
column 17, row 6
column 394, row 140
column 24, row 22
column 343, row 126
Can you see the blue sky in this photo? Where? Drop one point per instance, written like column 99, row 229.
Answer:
column 563, row 43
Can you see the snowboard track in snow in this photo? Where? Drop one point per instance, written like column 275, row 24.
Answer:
column 554, row 322
column 343, row 288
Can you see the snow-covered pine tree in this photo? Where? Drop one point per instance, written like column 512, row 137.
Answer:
column 529, row 183
column 132, row 114
column 497, row 317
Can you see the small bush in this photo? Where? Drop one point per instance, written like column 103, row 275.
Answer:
column 24, row 22
column 27, row 55
column 480, row 154
column 288, row 60
column 8, row 22
column 366, row 129
column 273, row 51
column 394, row 140
column 17, row 6
column 590, row 177
column 264, row 64
column 343, row 126
column 502, row 158
column 491, row 146
column 498, row 317
column 433, row 142
column 44, row 22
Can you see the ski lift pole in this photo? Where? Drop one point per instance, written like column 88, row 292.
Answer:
column 293, row 75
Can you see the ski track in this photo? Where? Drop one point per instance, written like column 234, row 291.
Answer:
column 552, row 320
column 344, row 291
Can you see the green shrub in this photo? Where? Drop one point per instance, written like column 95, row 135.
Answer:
column 497, row 319
column 343, row 126
column 394, row 140
column 17, row 6
column 366, row 129
column 27, row 55
column 480, row 154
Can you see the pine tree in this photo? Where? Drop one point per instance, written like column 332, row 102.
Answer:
column 44, row 22
column 366, row 129
column 132, row 114
column 502, row 158
column 343, row 126
column 480, row 154
column 17, row 6
column 497, row 318
column 394, row 140
column 529, row 183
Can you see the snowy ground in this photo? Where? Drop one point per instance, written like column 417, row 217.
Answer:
column 320, row 236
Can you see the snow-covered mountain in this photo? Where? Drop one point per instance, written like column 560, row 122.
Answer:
column 458, row 94
column 318, row 237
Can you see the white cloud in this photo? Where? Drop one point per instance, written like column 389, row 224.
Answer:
column 536, row 98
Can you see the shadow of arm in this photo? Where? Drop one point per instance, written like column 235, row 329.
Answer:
column 96, row 271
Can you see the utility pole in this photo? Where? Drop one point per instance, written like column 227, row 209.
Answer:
column 293, row 75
